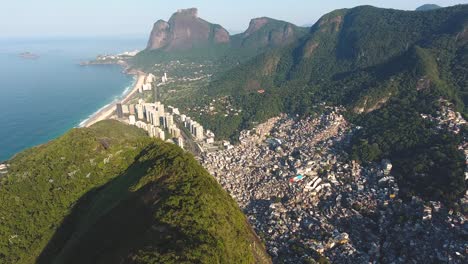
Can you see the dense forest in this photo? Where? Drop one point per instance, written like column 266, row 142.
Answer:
column 386, row 67
column 110, row 194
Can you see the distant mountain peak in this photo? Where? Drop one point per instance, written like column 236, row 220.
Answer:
column 266, row 32
column 189, row 11
column 256, row 23
column 428, row 7
column 184, row 30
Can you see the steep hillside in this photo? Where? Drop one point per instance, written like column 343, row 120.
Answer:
column 347, row 41
column 386, row 66
column 110, row 194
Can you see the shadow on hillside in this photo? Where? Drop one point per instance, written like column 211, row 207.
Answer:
column 108, row 222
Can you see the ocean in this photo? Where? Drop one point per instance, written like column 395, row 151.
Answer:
column 40, row 99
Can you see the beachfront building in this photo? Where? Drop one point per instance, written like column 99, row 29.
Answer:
column 125, row 109
column 146, row 87
column 180, row 142
column 159, row 123
column 140, row 113
column 195, row 128
column 150, row 78
column 175, row 132
column 168, row 120
column 131, row 109
column 131, row 120
column 119, row 110
column 199, row 132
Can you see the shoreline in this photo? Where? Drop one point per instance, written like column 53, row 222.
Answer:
column 107, row 111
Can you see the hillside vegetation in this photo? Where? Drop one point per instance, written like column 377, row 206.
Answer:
column 110, row 194
column 387, row 67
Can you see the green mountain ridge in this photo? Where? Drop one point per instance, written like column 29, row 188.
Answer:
column 110, row 194
column 386, row 67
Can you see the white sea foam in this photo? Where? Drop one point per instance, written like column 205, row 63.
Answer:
column 115, row 100
column 82, row 123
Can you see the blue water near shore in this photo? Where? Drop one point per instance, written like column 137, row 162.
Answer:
column 43, row 98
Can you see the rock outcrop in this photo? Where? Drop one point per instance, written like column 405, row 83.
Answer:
column 186, row 30
column 267, row 32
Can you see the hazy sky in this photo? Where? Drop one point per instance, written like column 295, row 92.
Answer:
column 32, row 18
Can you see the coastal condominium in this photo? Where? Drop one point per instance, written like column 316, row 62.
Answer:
column 140, row 113
column 180, row 142
column 119, row 110
column 125, row 109
column 150, row 78
column 131, row 120
column 146, row 87
column 168, row 120
column 175, row 132
column 199, row 132
column 131, row 109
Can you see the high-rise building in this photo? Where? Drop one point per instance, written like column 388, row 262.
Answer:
column 162, row 135
column 161, row 109
column 193, row 126
column 180, row 142
column 131, row 120
column 146, row 87
column 125, row 109
column 148, row 108
column 168, row 120
column 140, row 113
column 131, row 109
column 119, row 110
column 155, row 118
column 199, row 132
column 175, row 132
column 187, row 122
column 151, row 130
column 164, row 78
column 150, row 78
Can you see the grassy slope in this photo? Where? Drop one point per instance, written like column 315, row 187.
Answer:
column 150, row 203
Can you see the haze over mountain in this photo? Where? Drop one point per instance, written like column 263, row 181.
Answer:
column 428, row 7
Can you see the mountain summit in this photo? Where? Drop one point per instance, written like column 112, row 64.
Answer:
column 185, row 30
column 428, row 7
column 265, row 32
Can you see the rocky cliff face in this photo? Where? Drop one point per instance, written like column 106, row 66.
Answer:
column 185, row 30
column 267, row 32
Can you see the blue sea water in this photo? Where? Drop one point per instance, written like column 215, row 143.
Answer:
column 43, row 98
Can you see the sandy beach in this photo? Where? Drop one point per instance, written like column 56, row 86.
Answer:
column 108, row 111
